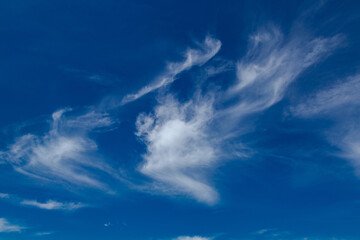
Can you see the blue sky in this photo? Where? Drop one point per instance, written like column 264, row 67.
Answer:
column 180, row 120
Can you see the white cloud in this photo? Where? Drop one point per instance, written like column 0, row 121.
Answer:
column 90, row 120
column 5, row 226
column 44, row 233
column 193, row 57
column 262, row 231
column 64, row 153
column 100, row 79
column 341, row 104
column 48, row 205
column 331, row 101
column 192, row 238
column 271, row 64
column 4, row 195
column 179, row 148
column 184, row 140
column 53, row 205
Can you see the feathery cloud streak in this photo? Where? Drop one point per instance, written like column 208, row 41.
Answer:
column 341, row 104
column 193, row 57
column 53, row 205
column 271, row 64
column 5, row 226
column 330, row 101
column 48, row 205
column 63, row 153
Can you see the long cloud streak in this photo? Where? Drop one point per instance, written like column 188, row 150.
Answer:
column 193, row 57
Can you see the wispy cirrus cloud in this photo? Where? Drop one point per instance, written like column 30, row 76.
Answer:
column 185, row 139
column 193, row 57
column 5, row 226
column 53, row 205
column 271, row 63
column 339, row 103
column 64, row 153
column 331, row 100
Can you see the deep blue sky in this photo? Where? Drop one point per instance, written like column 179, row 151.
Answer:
column 179, row 120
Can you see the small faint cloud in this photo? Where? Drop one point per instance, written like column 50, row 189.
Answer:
column 43, row 233
column 100, row 79
column 192, row 238
column 4, row 195
column 5, row 226
column 262, row 231
column 53, row 205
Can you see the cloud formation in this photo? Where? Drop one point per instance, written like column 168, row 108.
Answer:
column 329, row 101
column 192, row 238
column 4, row 195
column 272, row 62
column 43, row 233
column 64, row 153
column 193, row 57
column 184, row 139
column 178, row 147
column 5, row 226
column 53, row 205
column 339, row 103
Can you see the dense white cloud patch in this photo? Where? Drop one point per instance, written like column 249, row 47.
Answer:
column 178, row 147
column 193, row 57
column 341, row 104
column 192, row 238
column 64, row 153
column 53, row 205
column 5, row 226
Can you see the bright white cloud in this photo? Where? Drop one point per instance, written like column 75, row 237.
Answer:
column 5, row 226
column 193, row 57
column 64, row 153
column 192, row 238
column 53, row 205
column 179, row 148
